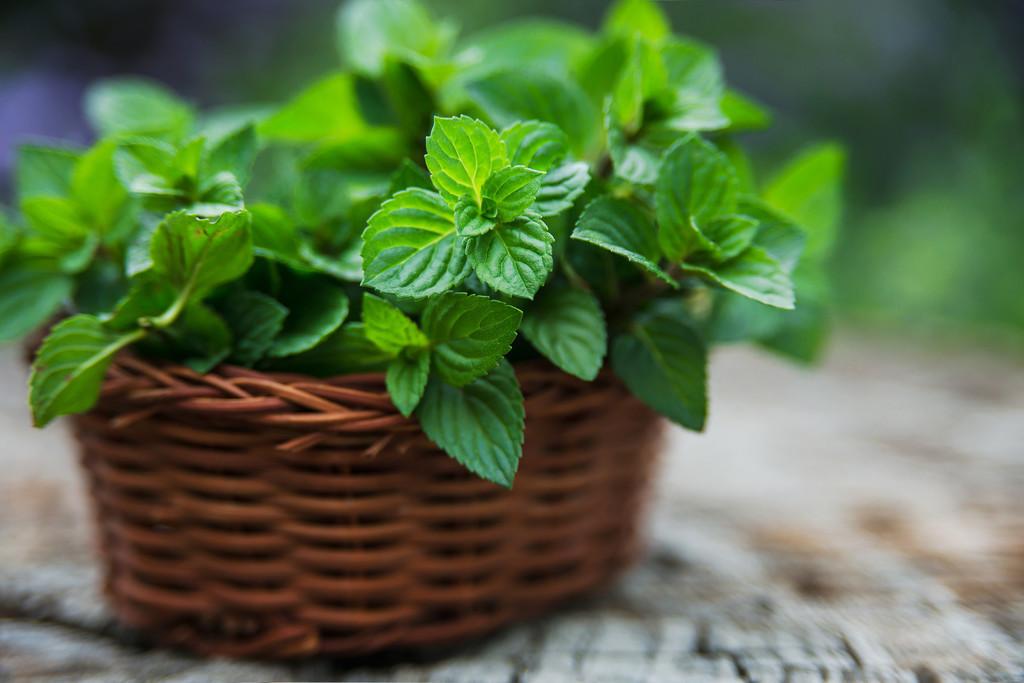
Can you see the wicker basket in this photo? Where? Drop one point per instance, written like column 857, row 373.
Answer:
column 269, row 515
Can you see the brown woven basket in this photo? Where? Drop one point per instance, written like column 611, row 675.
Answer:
column 269, row 515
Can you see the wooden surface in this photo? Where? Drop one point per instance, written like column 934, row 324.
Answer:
column 860, row 523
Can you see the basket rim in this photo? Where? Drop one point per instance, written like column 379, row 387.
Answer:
column 302, row 410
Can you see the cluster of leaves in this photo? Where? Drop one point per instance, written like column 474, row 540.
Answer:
column 416, row 211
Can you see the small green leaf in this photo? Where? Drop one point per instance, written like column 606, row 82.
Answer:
column 729, row 235
column 406, row 380
column 410, row 247
column 276, row 236
column 28, row 299
column 196, row 254
column 512, row 190
column 43, row 171
column 755, row 275
column 387, row 327
column 515, row 258
column 537, row 144
column 58, row 231
column 508, row 97
column 148, row 297
column 138, row 107
column 695, row 185
column 481, row 425
column 642, row 77
column 561, row 187
column 743, row 113
column 462, row 153
column 534, row 44
column 371, row 31
column 470, row 220
column 316, row 308
column 198, row 339
column 618, row 226
column 696, row 87
column 327, row 111
column 663, row 361
column 637, row 18
column 469, row 334
column 255, row 320
column 98, row 192
column 809, row 191
column 69, row 368
column 776, row 234
column 344, row 351
column 234, row 154
column 567, row 326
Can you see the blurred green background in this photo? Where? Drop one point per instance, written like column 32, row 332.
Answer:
column 927, row 95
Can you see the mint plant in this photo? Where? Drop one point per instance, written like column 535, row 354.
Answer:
column 436, row 210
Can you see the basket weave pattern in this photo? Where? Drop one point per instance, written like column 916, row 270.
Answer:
column 251, row 514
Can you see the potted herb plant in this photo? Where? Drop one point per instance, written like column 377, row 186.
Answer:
column 305, row 344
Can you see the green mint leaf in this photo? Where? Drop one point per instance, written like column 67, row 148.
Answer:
column 663, row 361
column 148, row 168
column 802, row 333
column 371, row 31
column 755, row 275
column 346, row 264
column 462, row 153
column 387, row 327
column 276, row 236
column 195, row 254
column 561, row 187
column 235, row 154
column 29, row 298
column 99, row 194
column 198, row 339
column 515, row 258
column 43, row 171
column 406, row 380
column 58, row 231
column 809, row 191
column 696, row 184
column 218, row 194
column 508, row 97
column 344, row 351
column 469, row 334
column 148, row 298
column 316, row 308
column 536, row 144
column 410, row 247
column 642, row 77
column 696, row 87
column 69, row 368
column 327, row 111
column 567, row 326
column 470, row 220
column 512, row 190
column 743, row 113
column 637, row 18
column 636, row 161
column 255, row 320
column 618, row 226
column 481, row 425
column 729, row 236
column 137, row 107
column 534, row 44
column 782, row 239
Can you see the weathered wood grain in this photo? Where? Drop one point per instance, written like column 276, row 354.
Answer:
column 864, row 522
